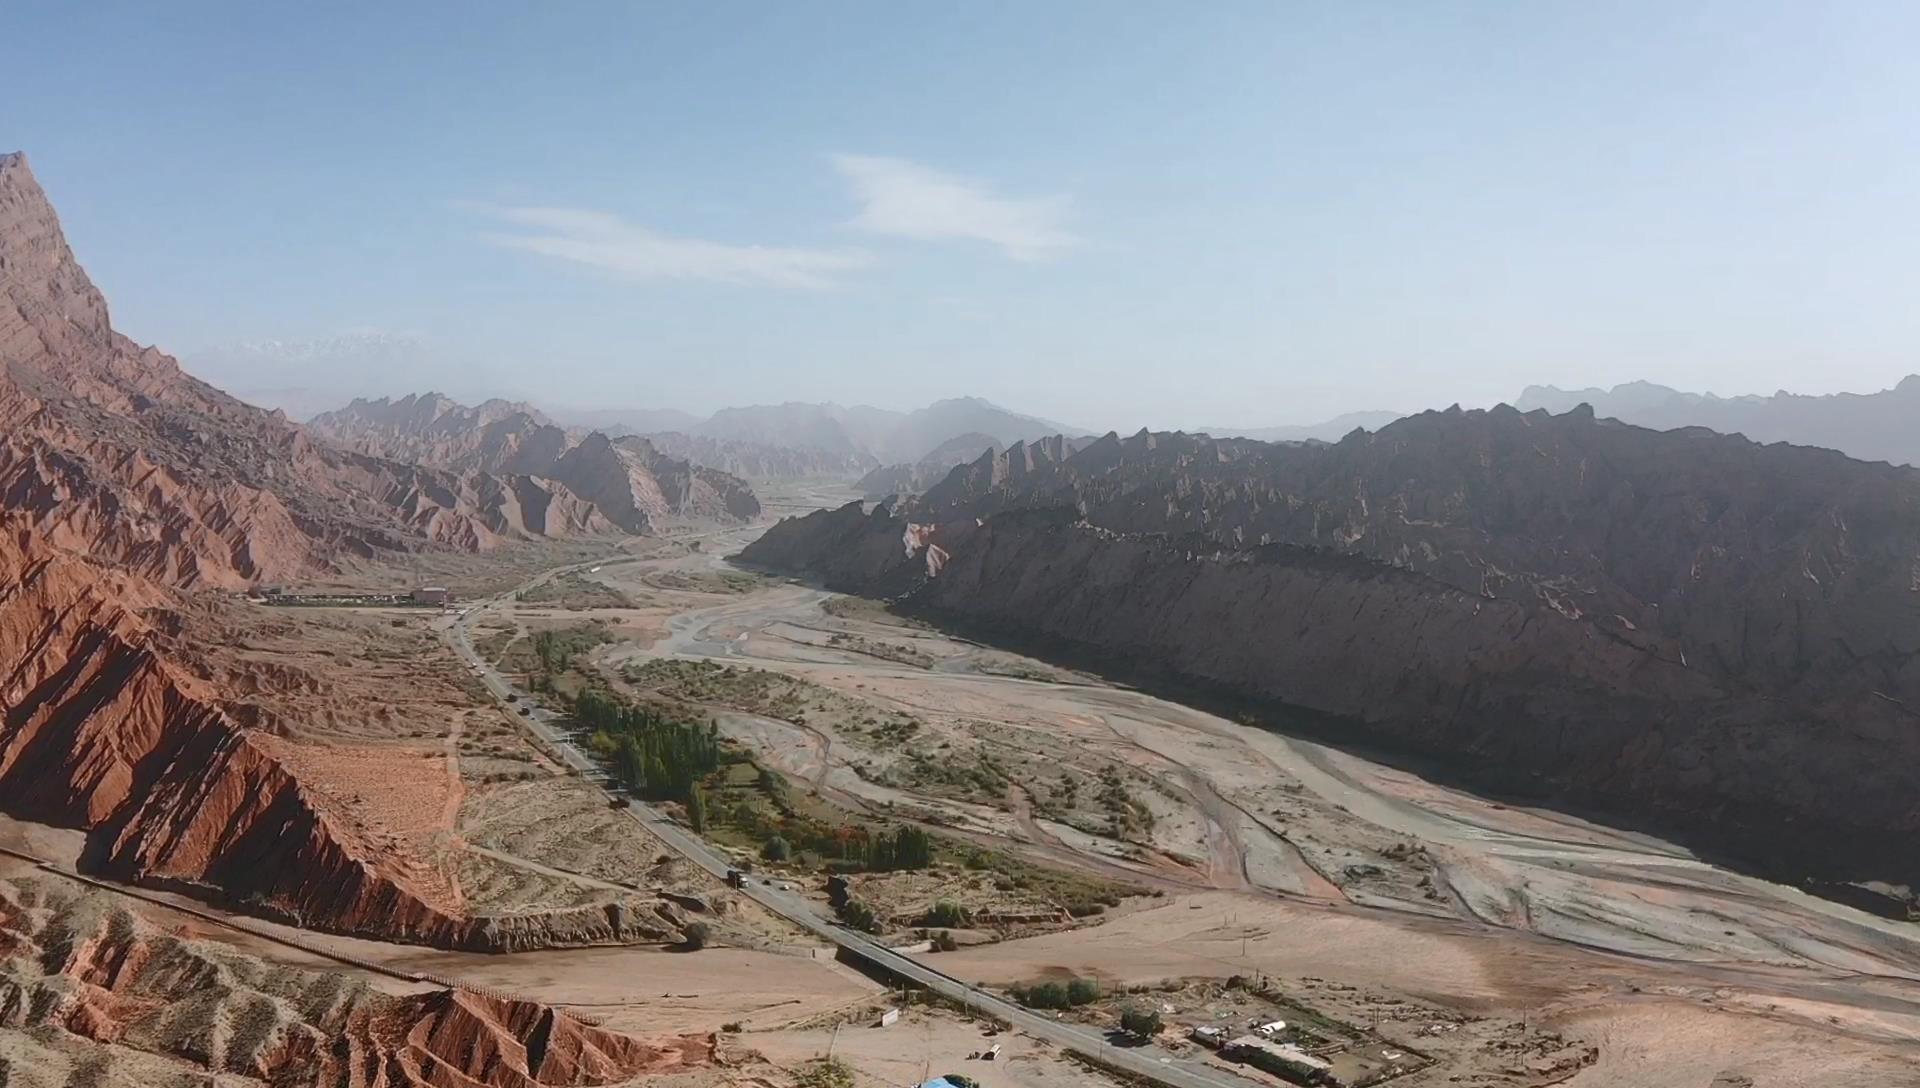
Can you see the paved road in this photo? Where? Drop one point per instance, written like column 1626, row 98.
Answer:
column 1146, row 1061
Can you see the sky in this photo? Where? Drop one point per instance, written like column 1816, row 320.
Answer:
column 1113, row 215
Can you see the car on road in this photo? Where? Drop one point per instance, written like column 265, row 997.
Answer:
column 525, row 712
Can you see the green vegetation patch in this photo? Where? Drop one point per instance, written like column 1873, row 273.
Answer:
column 574, row 591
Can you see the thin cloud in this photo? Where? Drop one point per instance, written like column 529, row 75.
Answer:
column 606, row 241
column 907, row 200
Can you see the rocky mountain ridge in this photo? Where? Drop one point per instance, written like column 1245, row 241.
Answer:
column 911, row 479
column 110, row 448
column 1682, row 629
column 627, row 480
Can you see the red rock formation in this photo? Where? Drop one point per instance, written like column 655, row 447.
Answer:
column 122, row 481
column 111, row 449
column 103, row 734
column 76, row 961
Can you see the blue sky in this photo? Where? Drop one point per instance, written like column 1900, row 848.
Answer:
column 1112, row 214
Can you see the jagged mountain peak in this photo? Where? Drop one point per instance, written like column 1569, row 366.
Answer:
column 627, row 479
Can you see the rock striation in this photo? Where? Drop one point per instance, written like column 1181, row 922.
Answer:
column 1683, row 630
column 121, row 990
column 627, row 480
column 111, row 449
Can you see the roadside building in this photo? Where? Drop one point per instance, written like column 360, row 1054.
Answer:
column 432, row 595
column 1283, row 1060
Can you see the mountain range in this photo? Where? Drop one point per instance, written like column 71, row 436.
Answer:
column 152, row 714
column 626, row 479
column 859, row 437
column 1680, row 629
column 1870, row 426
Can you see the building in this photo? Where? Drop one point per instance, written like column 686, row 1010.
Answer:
column 432, row 595
column 1281, row 1059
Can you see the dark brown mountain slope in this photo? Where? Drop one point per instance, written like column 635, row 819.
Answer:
column 1683, row 629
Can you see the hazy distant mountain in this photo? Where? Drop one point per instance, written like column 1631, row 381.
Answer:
column 1331, row 430
column 1883, row 426
column 889, row 437
column 813, row 426
column 618, row 421
column 757, row 460
column 303, row 377
column 911, row 479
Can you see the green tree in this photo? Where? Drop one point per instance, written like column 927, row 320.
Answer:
column 697, row 935
column 905, row 848
column 1044, row 995
column 777, row 848
column 1082, row 991
column 1141, row 1022
column 696, row 810
column 860, row 916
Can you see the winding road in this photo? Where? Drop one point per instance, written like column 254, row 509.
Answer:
column 1150, row 1062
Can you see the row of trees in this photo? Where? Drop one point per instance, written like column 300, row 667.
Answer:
column 906, row 848
column 656, row 756
column 1058, row 995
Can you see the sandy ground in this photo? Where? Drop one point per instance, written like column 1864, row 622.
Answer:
column 1297, row 860
column 925, row 1044
column 1368, row 891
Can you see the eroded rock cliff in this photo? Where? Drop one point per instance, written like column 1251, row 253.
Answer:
column 110, row 448
column 126, row 487
column 73, row 962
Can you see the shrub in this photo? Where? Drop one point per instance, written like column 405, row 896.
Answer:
column 777, row 848
column 1044, row 995
column 824, row 1073
column 945, row 914
column 1082, row 991
column 697, row 935
column 944, row 942
column 1141, row 1022
column 860, row 916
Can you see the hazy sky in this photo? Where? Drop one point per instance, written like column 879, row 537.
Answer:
column 1106, row 213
